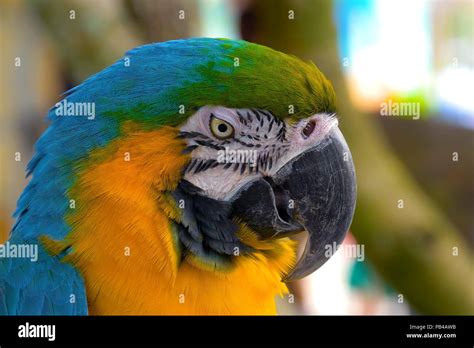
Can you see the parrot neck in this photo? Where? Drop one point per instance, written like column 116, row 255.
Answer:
column 123, row 243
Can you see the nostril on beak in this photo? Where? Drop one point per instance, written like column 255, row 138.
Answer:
column 308, row 129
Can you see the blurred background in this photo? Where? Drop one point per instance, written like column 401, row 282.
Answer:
column 403, row 72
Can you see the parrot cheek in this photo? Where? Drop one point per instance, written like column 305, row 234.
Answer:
column 314, row 192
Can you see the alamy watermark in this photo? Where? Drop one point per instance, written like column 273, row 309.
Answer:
column 25, row 251
column 403, row 109
column 238, row 156
column 28, row 330
column 355, row 251
column 85, row 109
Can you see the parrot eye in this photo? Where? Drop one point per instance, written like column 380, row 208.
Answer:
column 220, row 128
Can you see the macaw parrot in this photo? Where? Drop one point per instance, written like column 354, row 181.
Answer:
column 169, row 183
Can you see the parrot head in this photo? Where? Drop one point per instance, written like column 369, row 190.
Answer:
column 230, row 139
column 278, row 176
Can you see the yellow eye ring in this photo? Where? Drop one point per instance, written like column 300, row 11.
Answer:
column 220, row 128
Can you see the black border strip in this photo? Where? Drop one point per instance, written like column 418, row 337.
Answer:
column 312, row 330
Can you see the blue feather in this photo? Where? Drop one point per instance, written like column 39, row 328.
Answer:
column 143, row 88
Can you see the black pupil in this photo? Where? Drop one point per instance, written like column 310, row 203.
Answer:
column 222, row 128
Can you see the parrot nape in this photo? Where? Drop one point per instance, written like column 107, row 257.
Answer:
column 169, row 182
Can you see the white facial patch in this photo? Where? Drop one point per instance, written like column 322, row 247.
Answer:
column 259, row 145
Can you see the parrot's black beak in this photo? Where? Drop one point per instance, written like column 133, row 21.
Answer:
column 315, row 191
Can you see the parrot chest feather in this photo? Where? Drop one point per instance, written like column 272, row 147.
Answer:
column 130, row 258
column 142, row 280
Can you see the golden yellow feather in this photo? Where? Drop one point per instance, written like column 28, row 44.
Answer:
column 130, row 259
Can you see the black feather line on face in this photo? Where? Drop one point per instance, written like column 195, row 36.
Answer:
column 281, row 136
column 268, row 114
column 189, row 149
column 249, row 117
column 200, row 165
column 265, row 160
column 260, row 117
column 241, row 118
column 210, row 144
column 190, row 165
column 256, row 114
column 270, row 126
column 244, row 143
column 203, row 165
column 191, row 135
column 242, row 168
column 205, row 228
